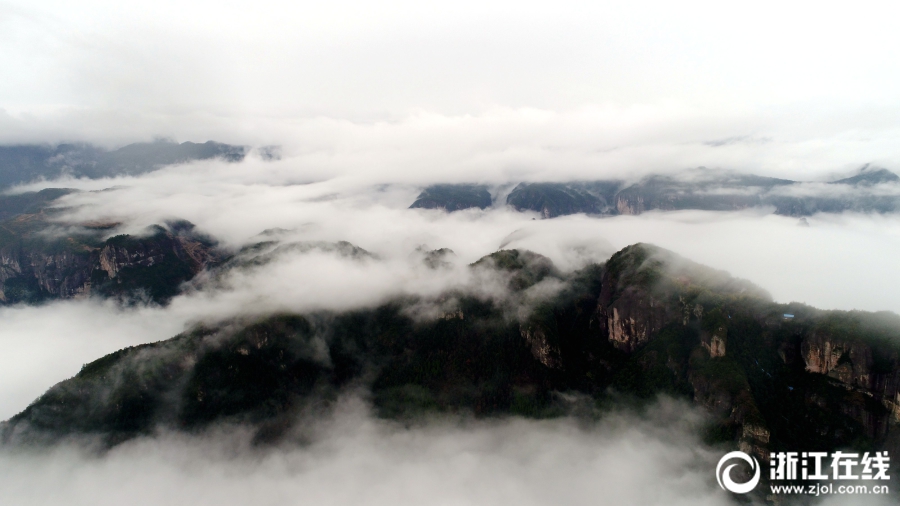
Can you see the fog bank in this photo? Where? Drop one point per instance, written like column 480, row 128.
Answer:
column 47, row 344
column 841, row 261
column 350, row 458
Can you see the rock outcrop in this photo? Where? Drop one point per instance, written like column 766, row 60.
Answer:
column 541, row 348
column 630, row 309
column 861, row 366
column 33, row 268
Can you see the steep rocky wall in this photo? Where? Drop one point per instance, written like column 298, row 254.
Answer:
column 633, row 318
column 852, row 363
column 630, row 309
column 61, row 274
column 66, row 273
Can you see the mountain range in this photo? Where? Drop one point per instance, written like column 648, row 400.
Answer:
column 28, row 163
column 41, row 259
column 772, row 376
column 870, row 190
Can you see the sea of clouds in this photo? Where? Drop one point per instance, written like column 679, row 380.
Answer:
column 369, row 103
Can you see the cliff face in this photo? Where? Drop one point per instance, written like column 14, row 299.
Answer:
column 118, row 255
column 630, row 204
column 541, row 346
column 769, row 381
column 632, row 318
column 848, row 362
column 34, row 269
column 859, row 367
column 63, row 274
column 630, row 309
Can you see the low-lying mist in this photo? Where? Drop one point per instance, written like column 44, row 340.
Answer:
column 841, row 261
column 46, row 344
column 650, row 456
column 349, row 457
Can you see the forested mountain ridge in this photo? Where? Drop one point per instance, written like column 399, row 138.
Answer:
column 647, row 322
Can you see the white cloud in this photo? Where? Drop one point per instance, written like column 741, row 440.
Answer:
column 838, row 262
column 235, row 202
column 362, row 57
column 43, row 345
column 458, row 88
column 350, row 458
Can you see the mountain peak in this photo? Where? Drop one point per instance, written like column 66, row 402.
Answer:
column 870, row 176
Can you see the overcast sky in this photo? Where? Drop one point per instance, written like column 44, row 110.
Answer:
column 798, row 87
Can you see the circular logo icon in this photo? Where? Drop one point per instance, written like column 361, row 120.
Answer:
column 724, row 477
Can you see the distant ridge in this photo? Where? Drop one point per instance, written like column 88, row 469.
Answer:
column 697, row 189
column 25, row 163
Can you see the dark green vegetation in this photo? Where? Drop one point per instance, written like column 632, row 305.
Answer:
column 43, row 259
column 646, row 323
column 524, row 267
column 871, row 190
column 450, row 197
column 27, row 163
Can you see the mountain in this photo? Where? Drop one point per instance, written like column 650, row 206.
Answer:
column 450, row 197
column 807, row 205
column 41, row 259
column 773, row 377
column 704, row 189
column 870, row 191
column 29, row 202
column 869, row 176
column 557, row 199
column 27, row 163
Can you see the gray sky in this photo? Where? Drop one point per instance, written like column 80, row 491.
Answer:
column 799, row 87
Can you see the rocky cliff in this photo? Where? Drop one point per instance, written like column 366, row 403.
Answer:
column 40, row 261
